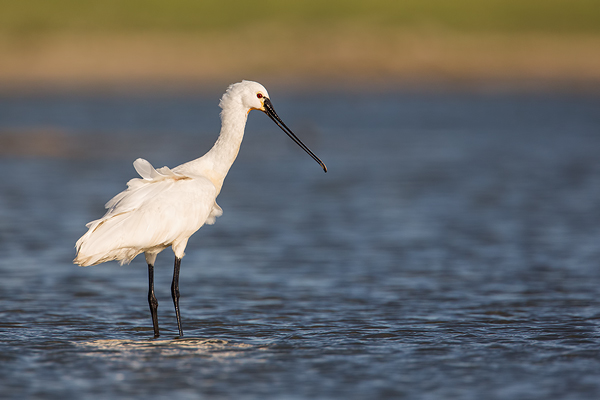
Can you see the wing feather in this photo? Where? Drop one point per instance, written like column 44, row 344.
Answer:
column 162, row 208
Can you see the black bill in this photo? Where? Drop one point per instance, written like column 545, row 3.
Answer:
column 273, row 115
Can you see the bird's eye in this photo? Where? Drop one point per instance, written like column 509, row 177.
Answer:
column 259, row 95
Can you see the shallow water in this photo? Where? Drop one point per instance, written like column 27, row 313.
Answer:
column 451, row 251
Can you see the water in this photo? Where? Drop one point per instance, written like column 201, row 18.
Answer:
column 451, row 251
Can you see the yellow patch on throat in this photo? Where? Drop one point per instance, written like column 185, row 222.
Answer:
column 254, row 108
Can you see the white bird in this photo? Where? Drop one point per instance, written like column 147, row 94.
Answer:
column 166, row 206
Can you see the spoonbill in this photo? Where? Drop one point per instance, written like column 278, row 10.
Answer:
column 166, row 206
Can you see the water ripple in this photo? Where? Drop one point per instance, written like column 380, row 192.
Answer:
column 450, row 252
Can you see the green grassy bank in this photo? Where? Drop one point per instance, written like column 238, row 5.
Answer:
column 181, row 42
column 467, row 16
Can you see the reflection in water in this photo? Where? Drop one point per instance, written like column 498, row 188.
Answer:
column 135, row 349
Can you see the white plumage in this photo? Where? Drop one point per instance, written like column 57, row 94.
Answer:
column 161, row 209
column 166, row 206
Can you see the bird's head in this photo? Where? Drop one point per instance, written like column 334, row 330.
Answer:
column 254, row 96
column 250, row 95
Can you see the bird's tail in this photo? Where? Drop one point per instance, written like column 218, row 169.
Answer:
column 103, row 242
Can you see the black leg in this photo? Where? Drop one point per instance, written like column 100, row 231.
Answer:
column 152, row 300
column 175, row 292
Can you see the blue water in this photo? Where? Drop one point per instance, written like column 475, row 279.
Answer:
column 451, row 251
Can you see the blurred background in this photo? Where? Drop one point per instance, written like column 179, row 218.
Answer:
column 183, row 43
column 451, row 251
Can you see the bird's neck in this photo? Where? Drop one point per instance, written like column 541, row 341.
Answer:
column 215, row 164
column 227, row 146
